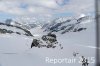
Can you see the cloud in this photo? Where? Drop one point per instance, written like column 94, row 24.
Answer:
column 29, row 8
column 12, row 8
column 46, row 7
column 61, row 2
column 79, row 6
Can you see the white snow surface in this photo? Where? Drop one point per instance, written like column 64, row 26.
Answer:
column 15, row 49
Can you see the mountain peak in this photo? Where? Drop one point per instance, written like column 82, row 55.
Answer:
column 82, row 15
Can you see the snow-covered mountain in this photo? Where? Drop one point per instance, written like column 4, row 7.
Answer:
column 15, row 49
column 23, row 25
column 11, row 29
column 65, row 24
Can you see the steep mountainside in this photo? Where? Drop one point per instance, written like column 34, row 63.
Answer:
column 64, row 25
column 6, row 28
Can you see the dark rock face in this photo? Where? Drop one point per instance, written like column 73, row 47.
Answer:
column 49, row 37
column 35, row 43
column 67, row 25
column 49, row 41
column 5, row 30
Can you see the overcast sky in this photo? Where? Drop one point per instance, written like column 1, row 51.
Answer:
column 44, row 8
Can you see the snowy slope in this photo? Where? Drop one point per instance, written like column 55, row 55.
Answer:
column 5, row 28
column 15, row 49
column 23, row 24
column 63, row 25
